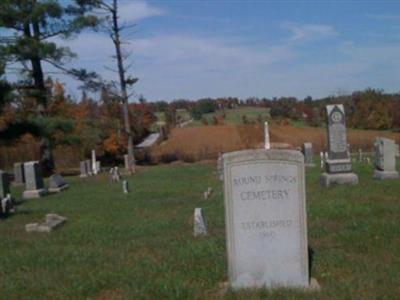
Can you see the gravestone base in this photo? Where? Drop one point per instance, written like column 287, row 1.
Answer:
column 83, row 176
column 310, row 165
column 34, row 194
column 381, row 175
column 58, row 189
column 327, row 179
column 313, row 286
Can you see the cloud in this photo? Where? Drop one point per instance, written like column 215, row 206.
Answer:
column 133, row 11
column 181, row 66
column 306, row 32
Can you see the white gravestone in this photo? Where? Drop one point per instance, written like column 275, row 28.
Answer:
column 267, row 144
column 321, row 156
column 200, row 227
column 94, row 165
column 265, row 217
column 125, row 187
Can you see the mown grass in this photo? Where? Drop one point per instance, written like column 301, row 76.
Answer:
column 141, row 245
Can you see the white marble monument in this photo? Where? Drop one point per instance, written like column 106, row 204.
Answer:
column 265, row 217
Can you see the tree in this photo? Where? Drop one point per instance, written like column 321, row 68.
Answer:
column 34, row 24
column 114, row 29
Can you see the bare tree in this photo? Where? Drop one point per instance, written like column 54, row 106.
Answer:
column 114, row 29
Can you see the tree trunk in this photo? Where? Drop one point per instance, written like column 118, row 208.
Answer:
column 46, row 155
column 123, row 88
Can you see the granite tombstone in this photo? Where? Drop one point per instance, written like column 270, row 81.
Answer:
column 265, row 217
column 4, row 185
column 34, row 186
column 83, row 168
column 338, row 163
column 19, row 175
column 57, row 183
column 385, row 159
column 308, row 155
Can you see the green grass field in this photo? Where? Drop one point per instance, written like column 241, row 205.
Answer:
column 141, row 245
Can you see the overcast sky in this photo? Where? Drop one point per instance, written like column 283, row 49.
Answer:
column 194, row 49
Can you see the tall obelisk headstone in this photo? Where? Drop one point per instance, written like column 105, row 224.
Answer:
column 338, row 164
column 265, row 217
column 267, row 144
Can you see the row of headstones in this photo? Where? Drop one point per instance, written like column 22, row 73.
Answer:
column 28, row 173
column 337, row 160
column 90, row 167
column 265, row 207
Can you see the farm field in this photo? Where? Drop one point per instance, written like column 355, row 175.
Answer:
column 205, row 142
column 141, row 245
column 234, row 116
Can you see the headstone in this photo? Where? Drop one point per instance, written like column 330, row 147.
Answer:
column 19, row 175
column 93, row 163
column 200, row 227
column 115, row 175
column 84, row 171
column 7, row 205
column 52, row 221
column 205, row 195
column 321, row 155
column 34, row 186
column 360, row 156
column 4, row 185
column 338, row 164
column 267, row 144
column 265, row 217
column 57, row 183
column 308, row 155
column 89, row 167
column 385, row 159
column 125, row 187
column 220, row 167
column 209, row 190
column 98, row 166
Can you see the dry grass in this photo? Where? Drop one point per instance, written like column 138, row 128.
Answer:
column 191, row 144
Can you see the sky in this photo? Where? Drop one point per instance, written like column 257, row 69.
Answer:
column 215, row 48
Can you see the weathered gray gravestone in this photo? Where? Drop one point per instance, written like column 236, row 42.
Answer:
column 89, row 167
column 385, row 159
column 34, row 186
column 308, row 155
column 125, row 187
column 200, row 227
column 57, row 183
column 4, row 185
column 265, row 217
column 83, row 168
column 338, row 164
column 220, row 167
column 19, row 175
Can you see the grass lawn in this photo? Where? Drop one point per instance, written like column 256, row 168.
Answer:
column 141, row 245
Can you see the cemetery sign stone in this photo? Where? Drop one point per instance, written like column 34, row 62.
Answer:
column 265, row 216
